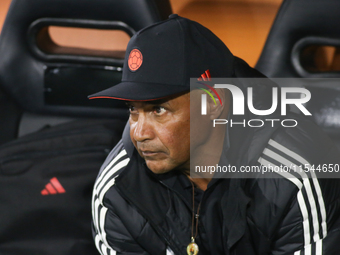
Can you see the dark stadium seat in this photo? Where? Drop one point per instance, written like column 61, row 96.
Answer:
column 47, row 171
column 304, row 42
column 37, row 76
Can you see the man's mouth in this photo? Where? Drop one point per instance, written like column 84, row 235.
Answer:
column 151, row 154
column 147, row 153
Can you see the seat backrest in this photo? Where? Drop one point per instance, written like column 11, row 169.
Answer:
column 43, row 77
column 300, row 25
column 304, row 41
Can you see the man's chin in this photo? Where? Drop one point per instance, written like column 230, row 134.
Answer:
column 158, row 167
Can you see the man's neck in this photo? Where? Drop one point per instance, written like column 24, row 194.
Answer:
column 207, row 154
column 201, row 183
column 205, row 157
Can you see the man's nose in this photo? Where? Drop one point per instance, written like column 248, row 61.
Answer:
column 143, row 129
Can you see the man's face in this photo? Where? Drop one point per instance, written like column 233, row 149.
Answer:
column 160, row 131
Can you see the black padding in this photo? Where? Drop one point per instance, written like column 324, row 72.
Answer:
column 10, row 114
column 299, row 22
column 26, row 71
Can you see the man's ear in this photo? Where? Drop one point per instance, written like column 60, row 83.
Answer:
column 216, row 110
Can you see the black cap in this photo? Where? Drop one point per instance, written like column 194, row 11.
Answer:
column 161, row 59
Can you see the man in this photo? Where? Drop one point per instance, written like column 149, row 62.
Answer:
column 146, row 202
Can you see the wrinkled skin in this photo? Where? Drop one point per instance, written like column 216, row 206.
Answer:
column 160, row 131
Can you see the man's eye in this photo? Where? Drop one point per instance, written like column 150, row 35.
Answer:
column 132, row 109
column 159, row 110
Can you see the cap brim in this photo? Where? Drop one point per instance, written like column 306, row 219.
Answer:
column 137, row 91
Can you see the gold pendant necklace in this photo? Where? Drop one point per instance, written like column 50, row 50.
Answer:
column 192, row 248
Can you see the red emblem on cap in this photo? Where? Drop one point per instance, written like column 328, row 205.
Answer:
column 135, row 60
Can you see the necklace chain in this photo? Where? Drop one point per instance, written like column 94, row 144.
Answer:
column 194, row 216
column 192, row 248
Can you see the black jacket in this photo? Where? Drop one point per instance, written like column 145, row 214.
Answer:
column 134, row 212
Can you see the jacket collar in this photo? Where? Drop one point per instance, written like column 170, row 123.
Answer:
column 128, row 145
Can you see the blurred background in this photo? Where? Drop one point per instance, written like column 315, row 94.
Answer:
column 243, row 25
